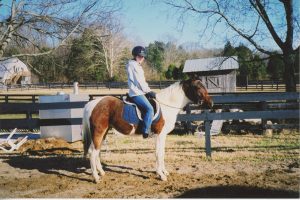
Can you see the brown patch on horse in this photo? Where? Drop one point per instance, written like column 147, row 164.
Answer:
column 158, row 126
column 108, row 112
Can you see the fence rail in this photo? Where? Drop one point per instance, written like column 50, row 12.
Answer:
column 262, row 85
column 264, row 106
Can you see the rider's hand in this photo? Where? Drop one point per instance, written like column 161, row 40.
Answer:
column 151, row 95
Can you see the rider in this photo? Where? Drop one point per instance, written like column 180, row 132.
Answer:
column 139, row 89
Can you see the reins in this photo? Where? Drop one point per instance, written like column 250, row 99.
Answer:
column 179, row 108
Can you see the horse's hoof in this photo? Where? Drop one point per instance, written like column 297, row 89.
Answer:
column 166, row 173
column 163, row 178
column 97, row 180
column 102, row 173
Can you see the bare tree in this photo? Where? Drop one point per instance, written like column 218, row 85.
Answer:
column 255, row 21
column 113, row 42
column 28, row 23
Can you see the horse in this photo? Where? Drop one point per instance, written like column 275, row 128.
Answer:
column 102, row 113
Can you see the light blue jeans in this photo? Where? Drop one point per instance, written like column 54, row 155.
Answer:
column 147, row 112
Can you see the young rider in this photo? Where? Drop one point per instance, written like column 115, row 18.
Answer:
column 139, row 89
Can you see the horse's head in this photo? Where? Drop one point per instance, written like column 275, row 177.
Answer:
column 197, row 93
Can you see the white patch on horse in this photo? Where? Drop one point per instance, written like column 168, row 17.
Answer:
column 133, row 130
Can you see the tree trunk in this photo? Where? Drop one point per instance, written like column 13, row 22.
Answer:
column 289, row 73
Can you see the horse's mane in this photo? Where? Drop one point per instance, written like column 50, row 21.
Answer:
column 171, row 88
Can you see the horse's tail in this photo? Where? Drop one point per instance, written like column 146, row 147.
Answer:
column 86, row 131
column 86, row 126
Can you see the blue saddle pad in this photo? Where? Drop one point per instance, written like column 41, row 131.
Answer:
column 129, row 114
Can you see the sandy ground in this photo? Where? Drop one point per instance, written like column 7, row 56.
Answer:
column 242, row 166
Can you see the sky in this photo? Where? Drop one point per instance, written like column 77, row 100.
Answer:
column 146, row 22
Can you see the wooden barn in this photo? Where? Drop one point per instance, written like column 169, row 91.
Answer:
column 218, row 74
column 14, row 71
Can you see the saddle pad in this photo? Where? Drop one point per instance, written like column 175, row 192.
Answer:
column 131, row 115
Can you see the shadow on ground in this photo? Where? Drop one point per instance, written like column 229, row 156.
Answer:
column 237, row 192
column 75, row 165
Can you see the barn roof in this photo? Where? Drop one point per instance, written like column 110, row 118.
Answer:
column 211, row 64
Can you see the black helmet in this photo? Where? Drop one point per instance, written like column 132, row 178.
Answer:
column 139, row 51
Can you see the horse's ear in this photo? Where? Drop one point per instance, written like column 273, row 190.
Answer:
column 193, row 77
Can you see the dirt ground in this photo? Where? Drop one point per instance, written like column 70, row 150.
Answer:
column 242, row 166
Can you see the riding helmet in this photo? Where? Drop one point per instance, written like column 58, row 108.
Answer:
column 139, row 51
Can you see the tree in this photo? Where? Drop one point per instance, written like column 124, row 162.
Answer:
column 275, row 67
column 169, row 72
column 244, row 56
column 258, row 69
column 28, row 24
column 86, row 59
column 228, row 50
column 253, row 21
column 175, row 73
column 155, row 55
column 112, row 43
column 250, row 65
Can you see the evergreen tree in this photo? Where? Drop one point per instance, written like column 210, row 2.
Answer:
column 86, row 60
column 228, row 50
column 155, row 55
column 275, row 67
column 169, row 72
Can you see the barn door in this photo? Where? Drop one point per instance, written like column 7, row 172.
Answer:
column 213, row 82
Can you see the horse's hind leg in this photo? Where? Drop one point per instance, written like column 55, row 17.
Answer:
column 98, row 162
column 99, row 166
column 93, row 160
column 96, row 166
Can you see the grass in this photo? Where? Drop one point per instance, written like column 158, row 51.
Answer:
column 16, row 116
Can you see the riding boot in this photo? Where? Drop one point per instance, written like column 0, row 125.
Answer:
column 148, row 135
column 145, row 135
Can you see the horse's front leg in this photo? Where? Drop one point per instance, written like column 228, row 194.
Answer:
column 160, row 156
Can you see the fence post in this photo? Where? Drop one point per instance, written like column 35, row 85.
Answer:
column 207, row 139
column 188, row 123
column 263, row 121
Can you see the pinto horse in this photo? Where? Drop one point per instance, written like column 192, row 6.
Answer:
column 101, row 113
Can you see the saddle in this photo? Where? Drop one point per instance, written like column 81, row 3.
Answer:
column 133, row 115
